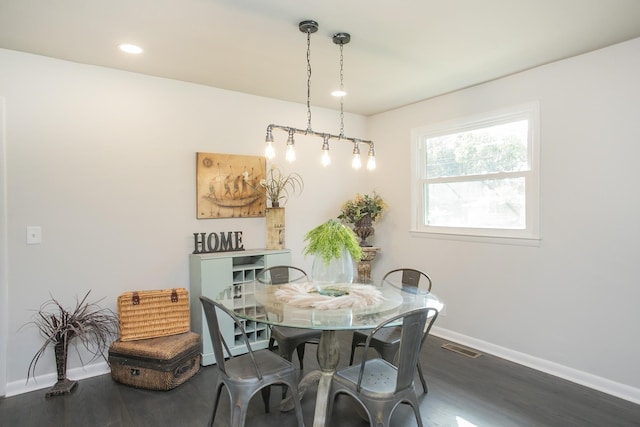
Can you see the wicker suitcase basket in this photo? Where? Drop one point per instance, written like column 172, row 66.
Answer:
column 156, row 363
column 152, row 314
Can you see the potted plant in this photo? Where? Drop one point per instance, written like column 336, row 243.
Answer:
column 334, row 247
column 277, row 186
column 94, row 327
column 362, row 212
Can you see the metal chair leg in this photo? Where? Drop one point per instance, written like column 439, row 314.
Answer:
column 300, row 351
column 422, row 380
column 266, row 394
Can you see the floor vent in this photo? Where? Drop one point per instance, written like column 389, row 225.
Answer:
column 461, row 350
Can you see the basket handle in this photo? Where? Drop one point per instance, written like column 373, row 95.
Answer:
column 135, row 297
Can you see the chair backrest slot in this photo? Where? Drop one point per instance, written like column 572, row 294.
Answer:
column 280, row 274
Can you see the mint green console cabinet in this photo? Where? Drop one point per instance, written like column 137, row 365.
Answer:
column 213, row 274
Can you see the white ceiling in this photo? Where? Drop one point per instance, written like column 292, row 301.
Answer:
column 401, row 51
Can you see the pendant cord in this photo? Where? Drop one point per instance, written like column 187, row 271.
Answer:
column 309, row 81
column 341, row 90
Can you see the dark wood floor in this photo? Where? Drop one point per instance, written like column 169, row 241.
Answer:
column 463, row 392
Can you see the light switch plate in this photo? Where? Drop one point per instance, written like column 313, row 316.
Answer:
column 34, row 235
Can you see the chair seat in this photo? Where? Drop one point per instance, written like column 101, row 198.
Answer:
column 378, row 380
column 301, row 335
column 386, row 342
column 242, row 368
column 386, row 336
column 292, row 339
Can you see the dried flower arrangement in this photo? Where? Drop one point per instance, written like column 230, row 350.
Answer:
column 93, row 326
column 277, row 186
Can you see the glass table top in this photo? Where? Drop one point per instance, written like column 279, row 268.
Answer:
column 262, row 302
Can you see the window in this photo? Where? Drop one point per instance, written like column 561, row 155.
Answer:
column 478, row 176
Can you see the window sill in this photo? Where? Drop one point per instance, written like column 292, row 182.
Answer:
column 515, row 241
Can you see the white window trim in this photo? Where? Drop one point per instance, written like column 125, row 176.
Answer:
column 531, row 111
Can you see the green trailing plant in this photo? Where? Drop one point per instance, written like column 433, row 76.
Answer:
column 327, row 240
column 93, row 327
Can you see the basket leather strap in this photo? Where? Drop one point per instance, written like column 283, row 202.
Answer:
column 135, row 297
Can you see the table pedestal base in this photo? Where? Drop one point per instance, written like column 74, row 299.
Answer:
column 328, row 357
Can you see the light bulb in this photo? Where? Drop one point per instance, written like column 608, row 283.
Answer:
column 356, row 163
column 291, row 153
column 371, row 163
column 325, row 159
column 269, row 151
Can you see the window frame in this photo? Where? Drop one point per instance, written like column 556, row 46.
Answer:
column 529, row 111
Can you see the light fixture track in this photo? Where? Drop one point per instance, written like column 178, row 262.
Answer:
column 289, row 129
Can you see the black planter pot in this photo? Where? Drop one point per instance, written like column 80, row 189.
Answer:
column 64, row 385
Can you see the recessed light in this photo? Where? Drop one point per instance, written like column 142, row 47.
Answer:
column 131, row 48
column 338, row 93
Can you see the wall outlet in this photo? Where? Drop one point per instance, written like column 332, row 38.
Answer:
column 34, row 235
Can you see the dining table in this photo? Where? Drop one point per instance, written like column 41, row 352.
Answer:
column 351, row 306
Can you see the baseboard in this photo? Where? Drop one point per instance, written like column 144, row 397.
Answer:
column 48, row 380
column 586, row 379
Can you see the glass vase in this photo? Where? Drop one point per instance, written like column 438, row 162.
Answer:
column 335, row 277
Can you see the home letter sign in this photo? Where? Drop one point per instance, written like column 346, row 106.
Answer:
column 229, row 241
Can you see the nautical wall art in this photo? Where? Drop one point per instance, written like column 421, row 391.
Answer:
column 227, row 186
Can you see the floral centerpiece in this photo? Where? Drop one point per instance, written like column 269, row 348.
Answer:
column 277, row 186
column 354, row 210
column 362, row 212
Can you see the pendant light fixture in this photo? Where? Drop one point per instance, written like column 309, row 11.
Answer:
column 309, row 27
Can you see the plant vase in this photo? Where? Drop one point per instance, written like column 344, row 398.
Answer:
column 275, row 228
column 364, row 265
column 63, row 385
column 363, row 229
column 333, row 277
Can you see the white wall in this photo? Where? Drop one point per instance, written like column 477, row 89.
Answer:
column 570, row 304
column 104, row 162
column 4, row 318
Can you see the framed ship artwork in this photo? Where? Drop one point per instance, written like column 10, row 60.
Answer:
column 227, row 186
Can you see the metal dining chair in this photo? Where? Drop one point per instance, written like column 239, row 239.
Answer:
column 379, row 385
column 387, row 341
column 288, row 338
column 246, row 374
